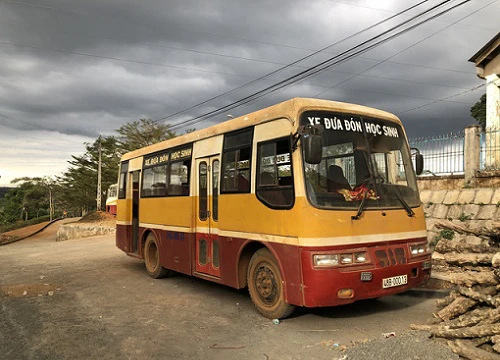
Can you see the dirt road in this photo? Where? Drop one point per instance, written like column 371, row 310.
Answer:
column 84, row 298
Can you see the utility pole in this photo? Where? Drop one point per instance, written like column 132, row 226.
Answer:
column 99, row 178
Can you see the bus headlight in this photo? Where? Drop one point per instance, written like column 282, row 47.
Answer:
column 360, row 257
column 346, row 258
column 326, row 260
column 419, row 249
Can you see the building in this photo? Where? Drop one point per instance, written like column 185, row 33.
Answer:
column 487, row 61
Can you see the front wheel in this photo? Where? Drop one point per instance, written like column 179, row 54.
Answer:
column 152, row 259
column 265, row 286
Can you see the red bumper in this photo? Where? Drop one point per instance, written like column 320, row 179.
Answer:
column 321, row 285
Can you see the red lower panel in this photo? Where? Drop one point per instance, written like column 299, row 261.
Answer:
column 322, row 285
column 175, row 249
column 304, row 285
column 290, row 263
column 123, row 237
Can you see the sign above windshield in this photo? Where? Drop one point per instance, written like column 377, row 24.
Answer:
column 351, row 124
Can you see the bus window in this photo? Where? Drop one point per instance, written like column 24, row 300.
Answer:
column 274, row 180
column 236, row 162
column 215, row 189
column 179, row 178
column 154, row 181
column 203, row 196
column 122, row 185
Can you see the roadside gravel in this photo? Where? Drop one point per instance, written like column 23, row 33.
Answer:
column 414, row 345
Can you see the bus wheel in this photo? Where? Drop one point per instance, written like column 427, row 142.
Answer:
column 265, row 286
column 152, row 259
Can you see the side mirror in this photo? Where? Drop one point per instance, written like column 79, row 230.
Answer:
column 419, row 163
column 313, row 148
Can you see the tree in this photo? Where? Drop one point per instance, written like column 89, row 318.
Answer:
column 33, row 197
column 137, row 134
column 12, row 210
column 79, row 182
column 478, row 111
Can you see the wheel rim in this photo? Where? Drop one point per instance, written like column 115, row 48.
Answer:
column 266, row 284
column 152, row 256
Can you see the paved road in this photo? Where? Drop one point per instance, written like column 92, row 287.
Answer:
column 84, row 298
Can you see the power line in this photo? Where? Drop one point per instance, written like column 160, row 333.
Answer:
column 442, row 99
column 418, row 66
column 87, row 14
column 289, row 65
column 322, row 66
column 414, row 44
column 115, row 58
column 24, row 122
column 188, row 50
column 400, row 95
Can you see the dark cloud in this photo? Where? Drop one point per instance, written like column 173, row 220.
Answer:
column 85, row 68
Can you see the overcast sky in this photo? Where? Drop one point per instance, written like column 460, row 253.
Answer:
column 72, row 70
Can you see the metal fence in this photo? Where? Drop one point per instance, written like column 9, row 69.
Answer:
column 489, row 158
column 443, row 154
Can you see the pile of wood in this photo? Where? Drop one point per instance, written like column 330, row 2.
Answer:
column 469, row 317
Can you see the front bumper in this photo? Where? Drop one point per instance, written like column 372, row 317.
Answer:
column 321, row 286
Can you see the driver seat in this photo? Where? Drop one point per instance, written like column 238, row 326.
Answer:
column 336, row 179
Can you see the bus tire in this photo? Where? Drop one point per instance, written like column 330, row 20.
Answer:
column 152, row 259
column 265, row 285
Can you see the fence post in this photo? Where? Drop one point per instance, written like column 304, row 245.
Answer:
column 472, row 149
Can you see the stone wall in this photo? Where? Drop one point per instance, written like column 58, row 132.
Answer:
column 484, row 179
column 76, row 231
column 475, row 208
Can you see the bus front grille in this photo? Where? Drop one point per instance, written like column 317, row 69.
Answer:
column 390, row 257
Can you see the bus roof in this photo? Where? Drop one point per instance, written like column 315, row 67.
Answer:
column 287, row 109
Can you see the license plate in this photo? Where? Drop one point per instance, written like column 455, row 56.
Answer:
column 394, row 281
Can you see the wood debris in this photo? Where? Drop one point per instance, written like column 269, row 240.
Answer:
column 469, row 317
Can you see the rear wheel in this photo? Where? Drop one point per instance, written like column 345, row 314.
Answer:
column 152, row 259
column 265, row 286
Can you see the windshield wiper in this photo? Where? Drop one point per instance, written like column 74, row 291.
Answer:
column 363, row 201
column 405, row 204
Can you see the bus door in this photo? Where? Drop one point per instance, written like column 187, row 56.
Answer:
column 207, row 231
column 135, row 176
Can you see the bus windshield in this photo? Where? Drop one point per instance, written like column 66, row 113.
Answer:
column 363, row 160
column 112, row 191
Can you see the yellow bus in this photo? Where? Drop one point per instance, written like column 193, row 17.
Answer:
column 307, row 203
column 111, row 199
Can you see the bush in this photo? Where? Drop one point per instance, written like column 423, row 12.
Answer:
column 21, row 224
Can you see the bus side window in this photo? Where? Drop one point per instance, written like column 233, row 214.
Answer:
column 179, row 178
column 154, row 181
column 235, row 172
column 275, row 176
column 122, row 185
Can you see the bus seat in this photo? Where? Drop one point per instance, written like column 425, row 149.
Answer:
column 336, row 179
column 286, row 181
column 362, row 172
column 243, row 184
column 159, row 189
column 267, row 179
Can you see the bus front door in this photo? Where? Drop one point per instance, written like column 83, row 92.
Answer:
column 207, row 232
column 135, row 175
